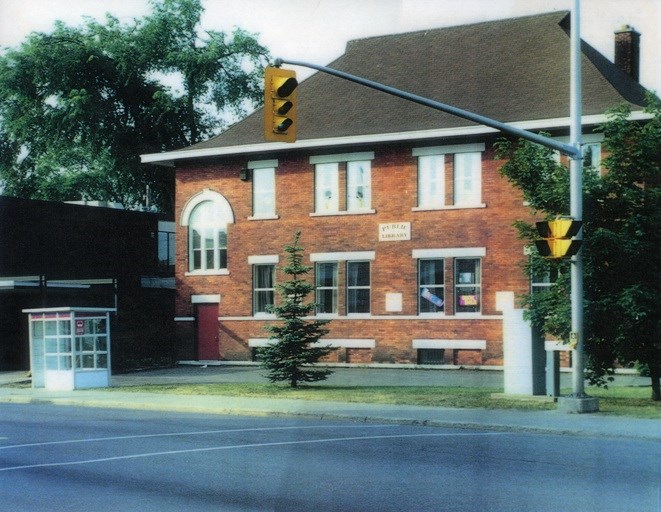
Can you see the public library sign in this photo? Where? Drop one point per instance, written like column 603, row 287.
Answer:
column 394, row 231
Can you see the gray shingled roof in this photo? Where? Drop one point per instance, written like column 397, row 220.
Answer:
column 510, row 70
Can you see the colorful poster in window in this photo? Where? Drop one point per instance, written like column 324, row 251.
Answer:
column 426, row 294
column 80, row 327
column 468, row 300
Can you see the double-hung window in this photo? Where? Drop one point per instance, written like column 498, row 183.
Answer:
column 343, row 183
column 468, row 179
column 327, row 188
column 467, row 285
column 326, row 281
column 358, row 287
column 359, row 187
column 431, row 286
column 343, row 282
column 262, row 175
column 263, row 288
column 431, row 181
column 463, row 283
column 263, row 192
column 456, row 185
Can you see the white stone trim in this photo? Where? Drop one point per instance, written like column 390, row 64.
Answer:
column 450, row 344
column 207, row 195
column 342, row 256
column 448, row 207
column 213, row 272
column 342, row 157
column 450, row 252
column 348, row 343
column 260, row 342
column 262, row 164
column 184, row 318
column 477, row 147
column 205, row 299
column 266, row 259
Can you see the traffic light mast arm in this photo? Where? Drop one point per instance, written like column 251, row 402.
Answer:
column 565, row 149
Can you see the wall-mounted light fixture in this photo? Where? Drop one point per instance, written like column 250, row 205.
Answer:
column 244, row 174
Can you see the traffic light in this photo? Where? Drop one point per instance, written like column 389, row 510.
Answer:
column 557, row 238
column 280, row 105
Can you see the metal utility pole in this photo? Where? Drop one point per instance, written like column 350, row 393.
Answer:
column 578, row 401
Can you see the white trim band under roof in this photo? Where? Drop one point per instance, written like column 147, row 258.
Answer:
column 167, row 158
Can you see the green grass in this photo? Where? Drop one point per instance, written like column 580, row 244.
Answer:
column 626, row 401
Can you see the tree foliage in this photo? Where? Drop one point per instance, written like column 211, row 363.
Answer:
column 294, row 348
column 79, row 105
column 622, row 237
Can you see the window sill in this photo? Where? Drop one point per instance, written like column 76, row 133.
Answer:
column 264, row 217
column 222, row 272
column 264, row 316
column 342, row 213
column 448, row 207
column 476, row 314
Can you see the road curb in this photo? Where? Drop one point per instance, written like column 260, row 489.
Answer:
column 320, row 415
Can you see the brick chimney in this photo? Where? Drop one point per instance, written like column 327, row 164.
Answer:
column 627, row 51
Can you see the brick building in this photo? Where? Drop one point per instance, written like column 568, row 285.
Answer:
column 402, row 209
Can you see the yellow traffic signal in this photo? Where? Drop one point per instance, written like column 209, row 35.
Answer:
column 280, row 105
column 557, row 239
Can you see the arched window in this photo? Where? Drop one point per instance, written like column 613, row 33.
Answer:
column 207, row 216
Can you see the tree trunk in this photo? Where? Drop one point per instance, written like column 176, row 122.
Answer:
column 655, row 374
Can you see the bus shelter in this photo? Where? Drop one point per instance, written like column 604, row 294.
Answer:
column 69, row 347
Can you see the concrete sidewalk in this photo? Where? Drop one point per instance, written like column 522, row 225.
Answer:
column 551, row 422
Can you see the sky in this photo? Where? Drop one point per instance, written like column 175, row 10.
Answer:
column 318, row 30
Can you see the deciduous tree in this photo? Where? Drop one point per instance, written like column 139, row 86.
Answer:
column 79, row 105
column 622, row 237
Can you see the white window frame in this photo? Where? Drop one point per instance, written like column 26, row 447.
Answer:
column 257, row 290
column 224, row 211
column 458, row 286
column 263, row 193
column 434, row 289
column 425, row 202
column 350, row 288
column 431, row 181
column 327, row 183
column 327, row 188
column 208, row 225
column 335, row 287
column 468, row 179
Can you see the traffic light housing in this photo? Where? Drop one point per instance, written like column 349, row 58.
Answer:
column 557, row 237
column 280, row 104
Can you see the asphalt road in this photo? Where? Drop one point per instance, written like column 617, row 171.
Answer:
column 81, row 459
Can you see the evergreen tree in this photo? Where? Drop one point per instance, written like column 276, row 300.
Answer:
column 295, row 349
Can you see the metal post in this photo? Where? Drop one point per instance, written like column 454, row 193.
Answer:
column 576, row 200
column 578, row 402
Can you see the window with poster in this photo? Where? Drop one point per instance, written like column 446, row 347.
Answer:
column 467, row 285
